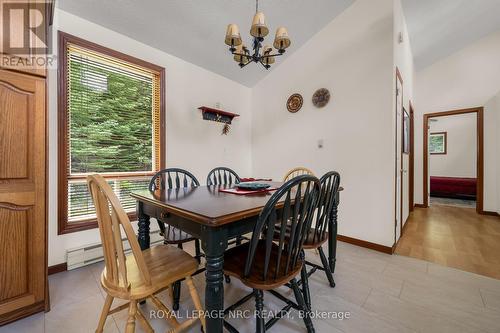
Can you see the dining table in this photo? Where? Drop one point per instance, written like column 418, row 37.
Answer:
column 215, row 218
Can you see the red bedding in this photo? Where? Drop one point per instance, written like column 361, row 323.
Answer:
column 454, row 187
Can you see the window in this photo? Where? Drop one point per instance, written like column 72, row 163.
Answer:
column 111, row 121
column 437, row 143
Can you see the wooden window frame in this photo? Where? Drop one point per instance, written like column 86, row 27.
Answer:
column 63, row 40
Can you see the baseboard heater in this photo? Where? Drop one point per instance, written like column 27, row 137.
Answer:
column 89, row 254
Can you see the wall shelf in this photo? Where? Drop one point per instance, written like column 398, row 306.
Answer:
column 217, row 115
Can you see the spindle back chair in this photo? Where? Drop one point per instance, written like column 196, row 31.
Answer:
column 266, row 263
column 297, row 172
column 222, row 176
column 136, row 276
column 172, row 179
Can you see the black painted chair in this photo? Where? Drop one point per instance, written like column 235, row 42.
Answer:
column 265, row 264
column 222, row 176
column 175, row 178
column 319, row 233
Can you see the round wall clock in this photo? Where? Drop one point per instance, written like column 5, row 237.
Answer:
column 321, row 97
column 294, row 103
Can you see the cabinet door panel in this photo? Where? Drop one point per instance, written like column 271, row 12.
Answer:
column 14, row 130
column 22, row 194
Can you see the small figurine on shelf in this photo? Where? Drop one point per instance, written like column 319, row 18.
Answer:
column 226, row 129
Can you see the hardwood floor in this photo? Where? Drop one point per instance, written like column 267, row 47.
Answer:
column 454, row 236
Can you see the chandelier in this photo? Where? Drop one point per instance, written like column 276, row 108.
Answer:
column 259, row 30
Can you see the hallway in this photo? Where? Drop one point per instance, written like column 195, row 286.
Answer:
column 455, row 237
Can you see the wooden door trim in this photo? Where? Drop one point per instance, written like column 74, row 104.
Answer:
column 411, row 172
column 398, row 169
column 480, row 152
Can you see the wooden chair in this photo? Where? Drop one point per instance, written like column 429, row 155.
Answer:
column 139, row 275
column 318, row 234
column 222, row 176
column 265, row 264
column 297, row 172
column 175, row 178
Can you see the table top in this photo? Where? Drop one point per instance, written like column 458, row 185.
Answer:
column 206, row 204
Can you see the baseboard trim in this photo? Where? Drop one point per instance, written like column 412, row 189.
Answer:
column 58, row 268
column 404, row 227
column 21, row 313
column 365, row 244
column 420, row 206
column 485, row 212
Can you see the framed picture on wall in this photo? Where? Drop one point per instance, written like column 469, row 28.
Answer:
column 406, row 132
column 437, row 143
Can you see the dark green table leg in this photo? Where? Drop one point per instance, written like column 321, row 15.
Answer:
column 214, row 244
column 143, row 234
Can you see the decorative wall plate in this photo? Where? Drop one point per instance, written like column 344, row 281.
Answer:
column 294, row 103
column 321, row 97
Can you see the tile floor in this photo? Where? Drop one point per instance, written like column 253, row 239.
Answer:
column 382, row 293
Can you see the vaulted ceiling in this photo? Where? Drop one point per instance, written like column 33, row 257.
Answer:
column 194, row 30
column 439, row 28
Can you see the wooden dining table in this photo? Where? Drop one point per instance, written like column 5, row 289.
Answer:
column 215, row 218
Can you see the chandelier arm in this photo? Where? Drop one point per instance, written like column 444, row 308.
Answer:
column 267, row 68
column 245, row 64
column 272, row 55
column 241, row 54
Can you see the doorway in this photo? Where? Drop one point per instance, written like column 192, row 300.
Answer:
column 440, row 146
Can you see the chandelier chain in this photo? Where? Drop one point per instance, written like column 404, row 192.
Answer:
column 256, row 6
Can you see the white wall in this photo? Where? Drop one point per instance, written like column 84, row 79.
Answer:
column 497, row 198
column 192, row 143
column 460, row 159
column 352, row 57
column 468, row 78
column 403, row 61
column 492, row 107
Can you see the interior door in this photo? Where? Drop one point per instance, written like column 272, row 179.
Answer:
column 399, row 164
column 22, row 194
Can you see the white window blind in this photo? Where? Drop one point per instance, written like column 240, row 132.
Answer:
column 113, row 127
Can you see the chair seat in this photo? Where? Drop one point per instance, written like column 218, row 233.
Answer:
column 234, row 265
column 311, row 242
column 166, row 264
column 175, row 236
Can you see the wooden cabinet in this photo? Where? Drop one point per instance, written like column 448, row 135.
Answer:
column 23, row 226
column 23, row 197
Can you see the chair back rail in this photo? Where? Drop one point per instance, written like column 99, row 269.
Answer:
column 295, row 214
column 172, row 178
column 330, row 183
column 297, row 172
column 110, row 216
column 222, row 176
